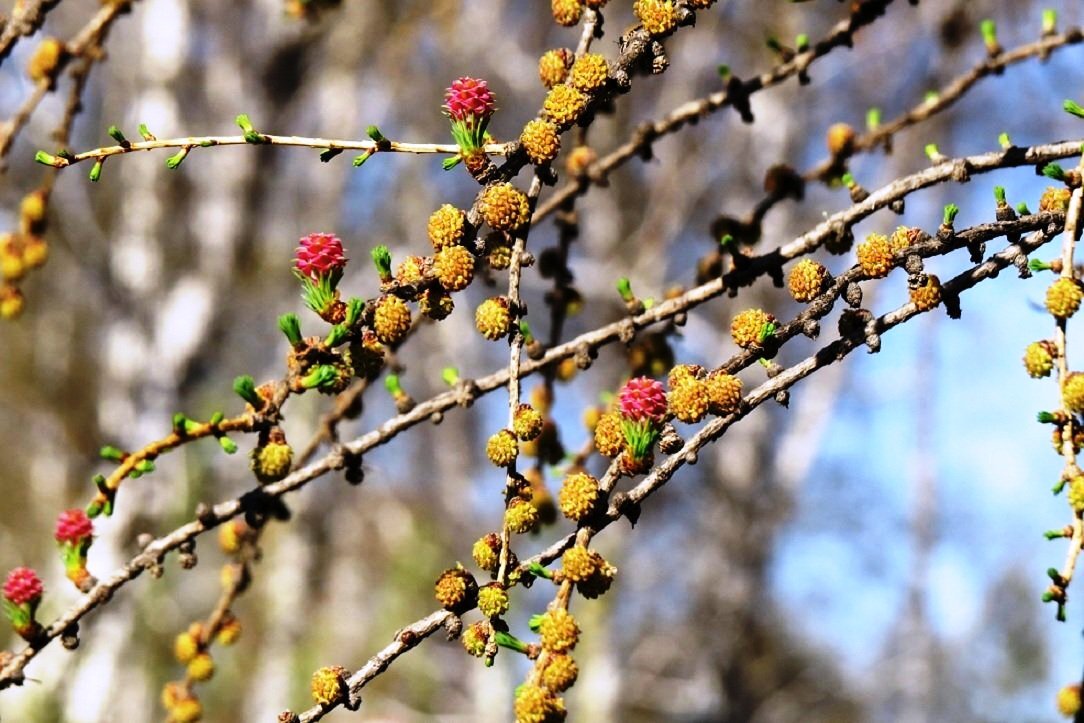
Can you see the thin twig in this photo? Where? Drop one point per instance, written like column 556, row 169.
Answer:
column 955, row 89
column 591, row 21
column 497, row 149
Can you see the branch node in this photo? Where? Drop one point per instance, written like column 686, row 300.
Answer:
column 336, row 458
column 585, row 355
column 205, row 515
column 670, row 442
column 913, row 264
column 660, row 61
column 466, row 391
column 453, row 625
column 852, row 294
column 626, row 507
column 70, row 637
column 961, row 171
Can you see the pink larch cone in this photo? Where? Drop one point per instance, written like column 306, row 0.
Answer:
column 469, row 97
column 73, row 526
column 643, row 398
column 320, row 254
column 23, row 586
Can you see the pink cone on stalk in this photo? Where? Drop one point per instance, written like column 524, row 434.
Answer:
column 642, row 403
column 319, row 262
column 469, row 103
column 642, row 398
column 75, row 534
column 320, row 254
column 22, row 594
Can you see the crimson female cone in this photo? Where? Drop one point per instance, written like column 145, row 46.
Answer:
column 22, row 595
column 75, row 533
column 469, row 104
column 319, row 262
column 642, row 404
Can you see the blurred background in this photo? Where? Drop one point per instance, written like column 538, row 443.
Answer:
column 873, row 553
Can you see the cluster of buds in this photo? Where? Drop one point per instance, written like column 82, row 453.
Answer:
column 21, row 252
column 431, row 280
column 1062, row 301
column 191, row 648
column 695, row 392
column 877, row 254
column 554, row 671
column 428, row 281
column 75, row 534
column 644, row 409
column 588, row 570
column 181, row 702
column 532, row 432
